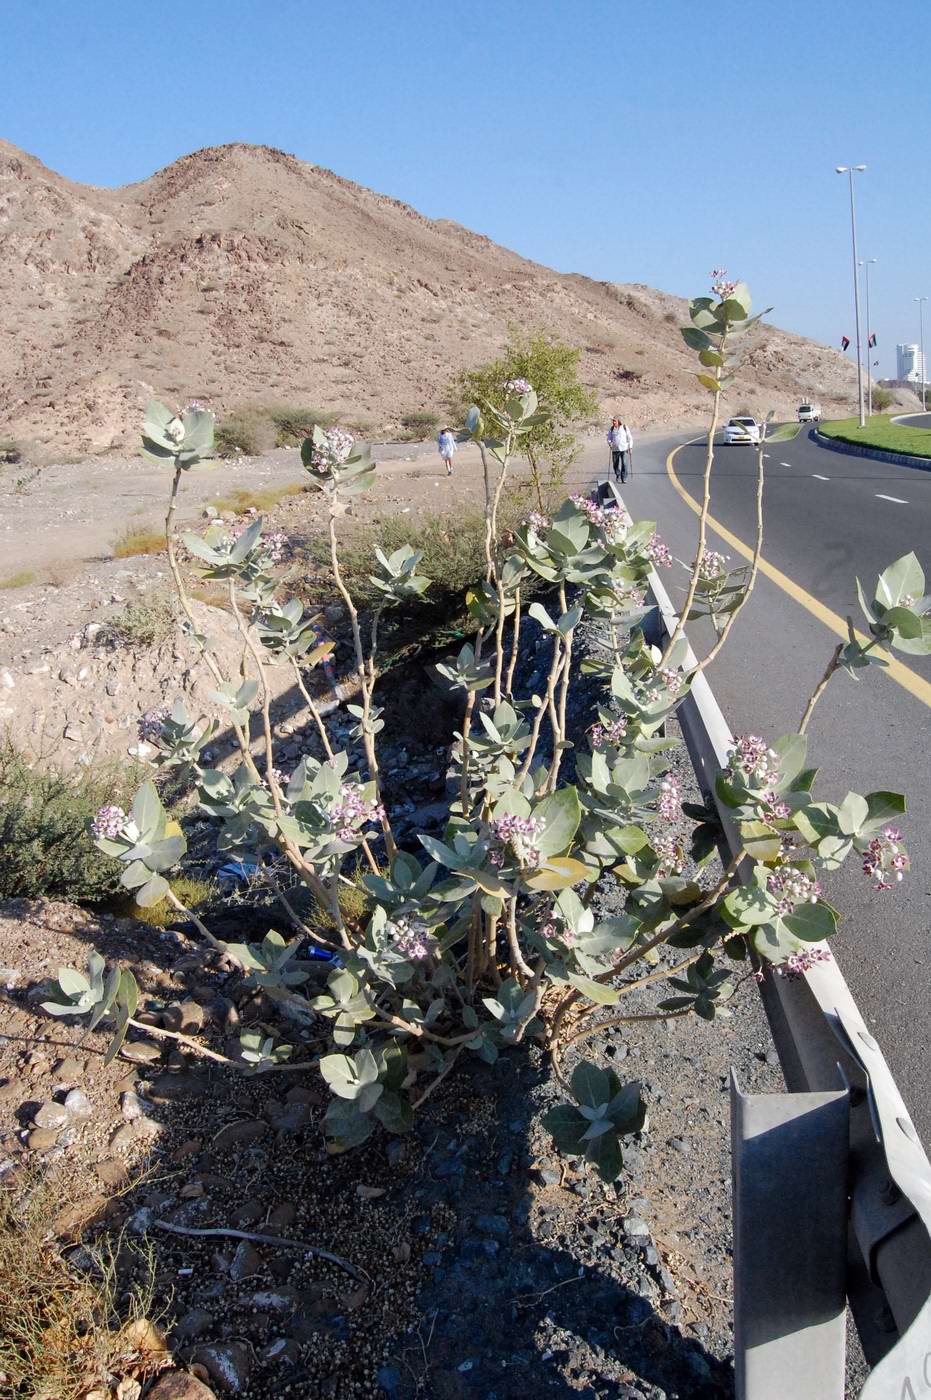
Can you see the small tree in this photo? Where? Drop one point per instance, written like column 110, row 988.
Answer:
column 882, row 398
column 552, row 367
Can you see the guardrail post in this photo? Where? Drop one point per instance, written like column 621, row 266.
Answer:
column 790, row 1243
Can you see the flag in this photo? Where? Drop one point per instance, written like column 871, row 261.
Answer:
column 844, row 341
column 872, row 339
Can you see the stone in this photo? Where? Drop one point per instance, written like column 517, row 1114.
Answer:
column 281, row 1217
column 77, row 1104
column 283, row 1351
column 41, row 1139
column 110, row 1172
column 246, row 1262
column 247, row 1213
column 141, row 1051
column 131, row 1105
column 227, row 1363
column 496, row 1225
column 635, row 1228
column 51, row 1115
column 186, row 1016
column 69, row 1069
column 193, row 1324
column 239, row 1134
column 124, row 1138
column 293, row 1119
column 180, row 1385
column 168, row 1088
column 280, row 1300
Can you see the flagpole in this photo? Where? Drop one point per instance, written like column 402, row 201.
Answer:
column 869, row 336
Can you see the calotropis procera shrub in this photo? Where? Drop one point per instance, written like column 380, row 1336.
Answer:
column 474, row 942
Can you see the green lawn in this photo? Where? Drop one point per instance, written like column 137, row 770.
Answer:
column 881, row 432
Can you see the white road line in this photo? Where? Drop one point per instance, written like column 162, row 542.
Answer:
column 820, row 478
column 896, row 499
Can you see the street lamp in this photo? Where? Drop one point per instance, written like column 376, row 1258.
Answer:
column 921, row 348
column 867, row 263
column 850, row 171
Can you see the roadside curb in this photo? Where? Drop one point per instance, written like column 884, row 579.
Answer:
column 853, row 449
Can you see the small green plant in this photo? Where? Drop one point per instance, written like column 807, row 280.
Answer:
column 253, row 429
column 20, row 579
column 144, row 622
column 44, row 812
column 246, row 498
column 138, row 539
column 242, row 434
column 883, row 398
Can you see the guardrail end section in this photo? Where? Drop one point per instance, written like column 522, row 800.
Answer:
column 789, row 1155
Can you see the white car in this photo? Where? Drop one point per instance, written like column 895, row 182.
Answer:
column 809, row 413
column 742, row 430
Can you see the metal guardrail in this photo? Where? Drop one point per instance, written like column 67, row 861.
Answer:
column 832, row 1187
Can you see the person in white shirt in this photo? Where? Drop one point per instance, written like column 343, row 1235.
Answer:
column 446, row 444
column 620, row 441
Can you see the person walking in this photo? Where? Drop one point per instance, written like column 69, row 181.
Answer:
column 621, row 442
column 446, row 443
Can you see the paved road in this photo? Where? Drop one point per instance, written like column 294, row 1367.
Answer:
column 914, row 420
column 828, row 517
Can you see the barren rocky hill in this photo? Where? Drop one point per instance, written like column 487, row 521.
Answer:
column 240, row 275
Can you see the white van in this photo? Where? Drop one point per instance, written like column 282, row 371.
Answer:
column 809, row 412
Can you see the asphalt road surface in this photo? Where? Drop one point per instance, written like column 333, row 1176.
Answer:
column 914, row 420
column 828, row 517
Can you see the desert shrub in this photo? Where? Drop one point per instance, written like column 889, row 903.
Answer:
column 254, row 429
column 10, row 452
column 138, row 539
column 552, row 367
column 64, row 1331
column 421, row 421
column 144, row 622
column 20, row 579
column 882, row 398
column 44, row 811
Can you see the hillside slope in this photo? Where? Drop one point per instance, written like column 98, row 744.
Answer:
column 241, row 275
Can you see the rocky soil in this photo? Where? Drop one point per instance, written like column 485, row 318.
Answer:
column 241, row 275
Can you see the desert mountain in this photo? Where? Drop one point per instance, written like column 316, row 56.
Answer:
column 241, row 275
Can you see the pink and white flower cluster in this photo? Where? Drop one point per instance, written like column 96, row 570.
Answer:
column 885, row 856
column 149, row 725
column 519, row 835
column 518, row 386
column 712, row 566
column 411, row 938
column 657, row 552
column 669, row 802
column 111, row 822
column 668, row 846
column 719, row 284
column 752, row 758
column 353, row 809
column 614, row 523
column 613, row 733
column 339, row 445
column 792, row 887
column 801, row 962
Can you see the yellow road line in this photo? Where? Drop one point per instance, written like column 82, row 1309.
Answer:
column 902, row 675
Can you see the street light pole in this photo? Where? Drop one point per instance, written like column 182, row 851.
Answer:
column 850, row 171
column 921, row 348
column 867, row 263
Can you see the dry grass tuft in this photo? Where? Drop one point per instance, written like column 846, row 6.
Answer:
column 65, row 1330
column 19, row 580
column 139, row 539
column 243, row 499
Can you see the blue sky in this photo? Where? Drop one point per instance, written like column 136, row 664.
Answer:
column 639, row 140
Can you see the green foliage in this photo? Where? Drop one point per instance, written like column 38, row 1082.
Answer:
column 138, row 539
column 604, row 1112
column 44, row 813
column 420, row 421
column 552, row 367
column 21, row 579
column 883, row 398
column 882, row 433
column 193, row 893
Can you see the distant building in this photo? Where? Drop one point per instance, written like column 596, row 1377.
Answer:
column 910, row 365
